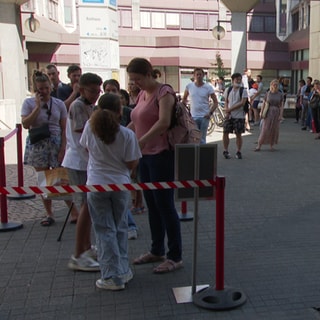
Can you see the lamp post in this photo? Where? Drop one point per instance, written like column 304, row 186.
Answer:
column 239, row 11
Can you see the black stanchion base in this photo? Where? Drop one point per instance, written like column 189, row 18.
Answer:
column 210, row 298
column 21, row 196
column 185, row 216
column 10, row 226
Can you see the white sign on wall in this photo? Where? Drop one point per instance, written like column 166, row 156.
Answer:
column 98, row 23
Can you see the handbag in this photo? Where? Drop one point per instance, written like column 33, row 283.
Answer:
column 40, row 133
column 54, row 177
column 265, row 109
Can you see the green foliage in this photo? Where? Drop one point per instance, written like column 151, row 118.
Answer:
column 219, row 70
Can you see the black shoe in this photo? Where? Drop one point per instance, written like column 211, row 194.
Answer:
column 238, row 155
column 226, row 154
column 304, row 128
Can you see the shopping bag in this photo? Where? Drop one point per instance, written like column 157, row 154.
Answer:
column 54, row 177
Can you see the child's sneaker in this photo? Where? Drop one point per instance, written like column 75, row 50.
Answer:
column 238, row 155
column 110, row 284
column 226, row 154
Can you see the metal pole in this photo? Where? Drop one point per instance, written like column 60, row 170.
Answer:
column 3, row 197
column 220, row 187
column 195, row 221
column 19, row 155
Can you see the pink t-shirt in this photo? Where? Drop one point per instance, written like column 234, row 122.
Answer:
column 146, row 114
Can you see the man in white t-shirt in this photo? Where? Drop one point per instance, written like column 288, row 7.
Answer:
column 235, row 99
column 76, row 161
column 199, row 93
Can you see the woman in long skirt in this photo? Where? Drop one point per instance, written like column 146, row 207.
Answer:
column 269, row 133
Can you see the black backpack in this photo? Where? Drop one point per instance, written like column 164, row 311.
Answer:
column 247, row 104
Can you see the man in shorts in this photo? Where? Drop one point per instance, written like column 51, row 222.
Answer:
column 76, row 161
column 235, row 115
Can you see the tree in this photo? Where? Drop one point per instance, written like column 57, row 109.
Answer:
column 219, row 69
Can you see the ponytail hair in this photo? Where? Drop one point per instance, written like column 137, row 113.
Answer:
column 39, row 76
column 143, row 66
column 105, row 121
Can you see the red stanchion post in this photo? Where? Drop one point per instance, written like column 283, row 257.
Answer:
column 20, row 167
column 19, row 155
column 184, row 215
column 5, row 225
column 221, row 297
column 220, row 186
column 3, row 197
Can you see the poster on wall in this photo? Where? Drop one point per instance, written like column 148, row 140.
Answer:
column 95, row 53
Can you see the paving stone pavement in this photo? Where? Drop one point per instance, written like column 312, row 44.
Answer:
column 271, row 247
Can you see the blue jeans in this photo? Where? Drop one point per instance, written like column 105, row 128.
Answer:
column 163, row 217
column 131, row 223
column 203, row 124
column 108, row 211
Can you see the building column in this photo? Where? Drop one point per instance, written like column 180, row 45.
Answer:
column 314, row 49
column 239, row 42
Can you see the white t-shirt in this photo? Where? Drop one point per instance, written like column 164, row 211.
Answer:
column 107, row 161
column 233, row 98
column 199, row 98
column 76, row 157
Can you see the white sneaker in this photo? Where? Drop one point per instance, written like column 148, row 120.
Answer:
column 83, row 263
column 109, row 284
column 132, row 235
column 127, row 276
column 92, row 253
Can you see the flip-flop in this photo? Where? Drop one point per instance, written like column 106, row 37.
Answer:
column 47, row 222
column 168, row 266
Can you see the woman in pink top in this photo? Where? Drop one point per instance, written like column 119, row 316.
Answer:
column 150, row 120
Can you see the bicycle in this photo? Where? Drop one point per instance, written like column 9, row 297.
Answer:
column 217, row 118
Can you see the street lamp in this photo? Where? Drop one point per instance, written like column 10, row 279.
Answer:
column 32, row 23
column 219, row 32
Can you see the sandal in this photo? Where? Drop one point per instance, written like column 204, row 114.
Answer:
column 168, row 266
column 148, row 258
column 47, row 222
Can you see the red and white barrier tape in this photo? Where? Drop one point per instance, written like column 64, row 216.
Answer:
column 108, row 187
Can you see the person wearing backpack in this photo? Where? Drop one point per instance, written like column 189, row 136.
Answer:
column 235, row 99
column 150, row 120
column 199, row 93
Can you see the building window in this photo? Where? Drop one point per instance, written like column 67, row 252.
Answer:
column 187, row 21
column 126, row 19
column 145, row 19
column 295, row 21
column 201, row 21
column 172, row 20
column 53, row 10
column 270, row 24
column 158, row 20
column 213, row 21
column 257, row 24
column 68, row 13
column 283, row 17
